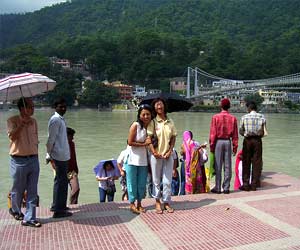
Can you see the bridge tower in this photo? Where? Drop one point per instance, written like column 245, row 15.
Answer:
column 192, row 72
column 188, row 83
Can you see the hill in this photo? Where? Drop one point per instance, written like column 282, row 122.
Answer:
column 239, row 21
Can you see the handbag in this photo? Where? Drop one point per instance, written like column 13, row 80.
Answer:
column 154, row 139
column 111, row 187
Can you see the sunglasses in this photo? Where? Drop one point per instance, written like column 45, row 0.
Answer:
column 145, row 106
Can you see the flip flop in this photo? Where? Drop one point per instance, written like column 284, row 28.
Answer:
column 158, row 211
column 141, row 209
column 134, row 210
column 33, row 223
column 169, row 209
column 16, row 216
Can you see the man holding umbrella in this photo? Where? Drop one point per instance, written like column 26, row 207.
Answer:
column 24, row 164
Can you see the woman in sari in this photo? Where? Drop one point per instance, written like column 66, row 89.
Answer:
column 195, row 157
column 238, row 180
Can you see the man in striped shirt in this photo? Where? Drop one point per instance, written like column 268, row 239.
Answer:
column 252, row 128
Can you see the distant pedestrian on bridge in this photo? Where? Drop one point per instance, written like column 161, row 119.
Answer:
column 253, row 128
column 223, row 141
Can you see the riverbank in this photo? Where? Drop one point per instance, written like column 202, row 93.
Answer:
column 202, row 108
column 268, row 219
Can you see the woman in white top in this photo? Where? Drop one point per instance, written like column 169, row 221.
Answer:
column 137, row 165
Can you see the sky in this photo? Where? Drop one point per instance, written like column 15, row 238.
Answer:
column 22, row 6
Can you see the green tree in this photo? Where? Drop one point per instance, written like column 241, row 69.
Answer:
column 95, row 94
column 256, row 98
column 25, row 58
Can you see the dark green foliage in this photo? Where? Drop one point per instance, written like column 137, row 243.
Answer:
column 98, row 94
column 256, row 98
column 147, row 41
column 240, row 39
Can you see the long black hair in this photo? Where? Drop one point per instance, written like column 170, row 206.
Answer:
column 141, row 108
column 108, row 163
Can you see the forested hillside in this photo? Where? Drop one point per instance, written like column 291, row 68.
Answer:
column 145, row 41
column 241, row 21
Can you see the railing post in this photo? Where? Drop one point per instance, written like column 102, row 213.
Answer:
column 188, row 93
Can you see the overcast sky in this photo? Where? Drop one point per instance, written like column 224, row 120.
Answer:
column 21, row 6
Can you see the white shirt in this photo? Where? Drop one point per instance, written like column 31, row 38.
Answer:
column 123, row 157
column 110, row 173
column 138, row 155
column 57, row 143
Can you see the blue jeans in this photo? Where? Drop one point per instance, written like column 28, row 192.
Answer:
column 25, row 174
column 162, row 174
column 175, row 185
column 60, row 188
column 103, row 194
column 182, row 179
column 136, row 177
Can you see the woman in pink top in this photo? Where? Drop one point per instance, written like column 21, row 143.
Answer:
column 195, row 178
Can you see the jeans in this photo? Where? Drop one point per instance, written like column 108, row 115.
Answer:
column 25, row 174
column 175, row 184
column 162, row 172
column 60, row 188
column 103, row 194
column 182, row 179
column 136, row 177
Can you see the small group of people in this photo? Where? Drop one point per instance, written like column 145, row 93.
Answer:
column 150, row 144
column 150, row 149
column 22, row 131
column 224, row 142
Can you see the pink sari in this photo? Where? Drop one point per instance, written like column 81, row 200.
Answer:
column 194, row 172
column 237, row 181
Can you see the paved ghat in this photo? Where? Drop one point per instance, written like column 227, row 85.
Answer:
column 266, row 219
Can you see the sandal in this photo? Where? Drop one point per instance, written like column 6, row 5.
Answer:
column 158, row 209
column 32, row 223
column 141, row 209
column 168, row 208
column 133, row 209
column 16, row 215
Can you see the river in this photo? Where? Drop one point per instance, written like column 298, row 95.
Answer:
column 103, row 135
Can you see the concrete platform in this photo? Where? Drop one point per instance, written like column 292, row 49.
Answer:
column 266, row 219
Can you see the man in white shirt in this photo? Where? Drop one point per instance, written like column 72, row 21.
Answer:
column 59, row 153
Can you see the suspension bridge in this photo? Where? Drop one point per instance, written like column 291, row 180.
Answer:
column 201, row 83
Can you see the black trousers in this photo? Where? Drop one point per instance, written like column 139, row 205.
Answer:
column 60, row 187
column 252, row 157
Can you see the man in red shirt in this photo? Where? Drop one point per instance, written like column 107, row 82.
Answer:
column 223, row 134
